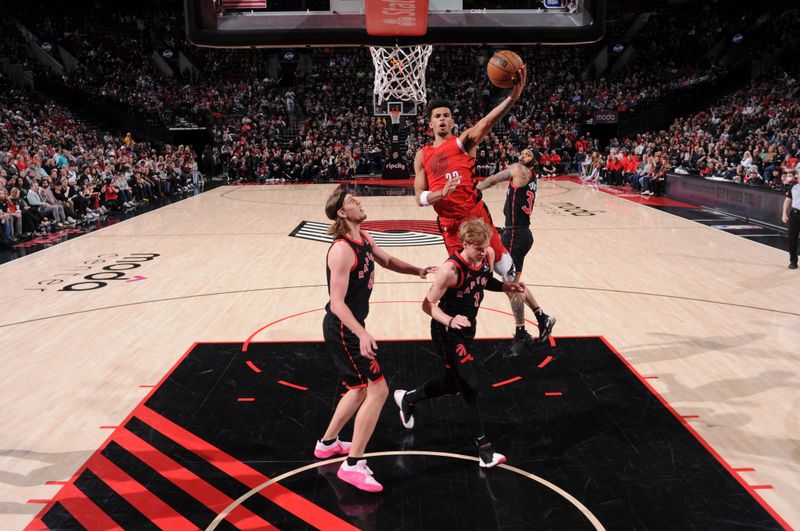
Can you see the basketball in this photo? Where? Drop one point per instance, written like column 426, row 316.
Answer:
column 502, row 68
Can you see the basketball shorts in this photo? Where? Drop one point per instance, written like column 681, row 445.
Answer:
column 345, row 349
column 454, row 347
column 449, row 229
column 518, row 241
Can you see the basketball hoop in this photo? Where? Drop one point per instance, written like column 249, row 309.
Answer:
column 400, row 73
column 394, row 114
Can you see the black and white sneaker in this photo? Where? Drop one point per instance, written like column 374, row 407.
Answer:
column 406, row 411
column 522, row 344
column 546, row 324
column 488, row 457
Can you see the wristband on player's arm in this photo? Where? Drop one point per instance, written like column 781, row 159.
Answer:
column 423, row 198
column 494, row 285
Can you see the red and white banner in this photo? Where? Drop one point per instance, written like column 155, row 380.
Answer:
column 397, row 18
column 244, row 4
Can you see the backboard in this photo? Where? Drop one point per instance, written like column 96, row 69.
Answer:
column 282, row 23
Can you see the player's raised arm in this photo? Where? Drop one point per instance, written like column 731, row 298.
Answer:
column 475, row 134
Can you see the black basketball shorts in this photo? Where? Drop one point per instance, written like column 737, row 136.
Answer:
column 344, row 347
column 518, row 241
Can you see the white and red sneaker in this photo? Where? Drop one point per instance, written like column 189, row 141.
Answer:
column 406, row 411
column 488, row 457
column 359, row 476
column 324, row 451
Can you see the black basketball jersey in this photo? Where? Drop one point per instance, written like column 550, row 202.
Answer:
column 519, row 203
column 466, row 296
column 362, row 277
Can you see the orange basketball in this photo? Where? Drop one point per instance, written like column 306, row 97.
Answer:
column 502, row 68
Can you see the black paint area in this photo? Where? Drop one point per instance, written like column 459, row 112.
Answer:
column 606, row 440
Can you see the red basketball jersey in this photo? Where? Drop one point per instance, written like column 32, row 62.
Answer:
column 446, row 162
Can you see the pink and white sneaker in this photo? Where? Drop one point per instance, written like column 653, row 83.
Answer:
column 359, row 476
column 324, row 451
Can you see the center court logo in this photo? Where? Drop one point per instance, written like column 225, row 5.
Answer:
column 386, row 233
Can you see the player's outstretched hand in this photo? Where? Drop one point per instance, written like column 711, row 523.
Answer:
column 513, row 287
column 451, row 185
column 425, row 271
column 368, row 346
column 458, row 322
column 519, row 83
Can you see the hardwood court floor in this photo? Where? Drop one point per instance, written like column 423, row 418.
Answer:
column 713, row 316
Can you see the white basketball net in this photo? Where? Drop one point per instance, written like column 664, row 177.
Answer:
column 400, row 72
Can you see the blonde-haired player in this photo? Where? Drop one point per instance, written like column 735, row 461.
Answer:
column 453, row 302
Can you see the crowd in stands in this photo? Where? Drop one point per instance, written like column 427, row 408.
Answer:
column 56, row 171
column 322, row 125
column 317, row 123
column 751, row 137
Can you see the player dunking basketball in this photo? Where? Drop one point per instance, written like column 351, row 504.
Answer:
column 517, row 237
column 350, row 271
column 453, row 302
column 444, row 173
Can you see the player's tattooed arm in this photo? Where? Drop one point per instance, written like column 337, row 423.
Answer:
column 490, row 181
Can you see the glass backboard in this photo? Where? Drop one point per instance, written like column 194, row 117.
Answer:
column 284, row 23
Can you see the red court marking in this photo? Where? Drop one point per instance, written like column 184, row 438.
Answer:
column 635, row 197
column 699, row 438
column 504, row 313
column 278, row 494
column 39, row 501
column 36, row 524
column 552, row 341
column 253, row 366
column 147, row 386
column 251, row 336
column 249, row 339
column 147, row 503
column 245, row 399
column 84, row 510
column 287, row 384
column 545, row 361
column 762, row 486
column 427, row 227
column 66, row 489
column 405, row 183
column 687, row 417
column 190, row 483
column 109, row 427
column 563, row 177
column 505, row 382
column 744, row 469
column 553, row 394
column 56, row 482
column 650, row 377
